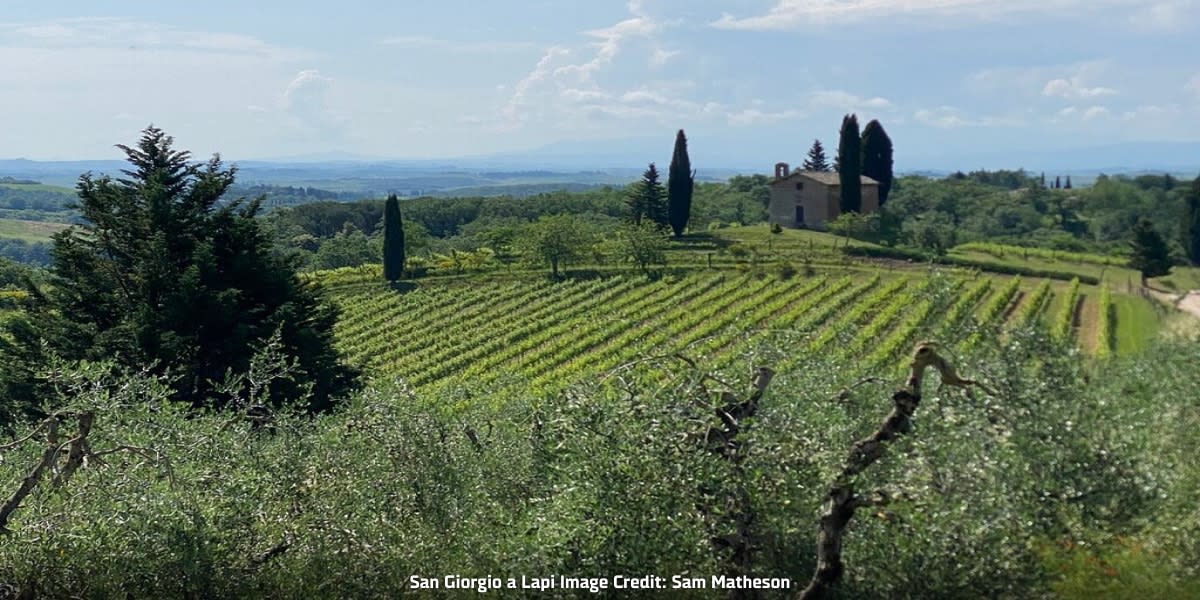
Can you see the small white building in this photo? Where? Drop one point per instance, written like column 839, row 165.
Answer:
column 811, row 198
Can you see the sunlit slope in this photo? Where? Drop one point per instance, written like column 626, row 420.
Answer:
column 552, row 333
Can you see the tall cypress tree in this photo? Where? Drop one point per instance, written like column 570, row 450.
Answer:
column 877, row 157
column 850, row 165
column 393, row 239
column 680, row 183
column 1191, row 223
column 816, row 161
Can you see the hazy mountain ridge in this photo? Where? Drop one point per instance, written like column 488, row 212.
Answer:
column 612, row 162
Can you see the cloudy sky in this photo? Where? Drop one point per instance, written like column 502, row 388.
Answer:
column 752, row 81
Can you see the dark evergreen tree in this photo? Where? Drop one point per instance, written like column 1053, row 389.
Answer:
column 1191, row 223
column 681, row 181
column 1042, row 179
column 1150, row 254
column 165, row 275
column 393, row 239
column 877, row 157
column 648, row 199
column 1057, row 182
column 816, row 161
column 850, row 165
column 1067, row 185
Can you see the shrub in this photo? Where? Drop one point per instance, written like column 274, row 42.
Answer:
column 903, row 254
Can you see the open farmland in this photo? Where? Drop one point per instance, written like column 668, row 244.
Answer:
column 488, row 329
column 30, row 231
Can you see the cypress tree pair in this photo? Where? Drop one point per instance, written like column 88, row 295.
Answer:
column 393, row 239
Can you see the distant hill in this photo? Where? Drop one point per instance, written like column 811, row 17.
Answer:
column 619, row 161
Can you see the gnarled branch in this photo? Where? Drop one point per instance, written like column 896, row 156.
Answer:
column 31, row 480
column 841, row 500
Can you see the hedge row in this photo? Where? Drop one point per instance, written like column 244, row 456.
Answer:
column 916, row 256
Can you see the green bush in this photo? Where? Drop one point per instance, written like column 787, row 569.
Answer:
column 614, row 478
column 913, row 255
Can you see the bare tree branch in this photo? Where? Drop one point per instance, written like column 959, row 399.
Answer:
column 841, row 500
column 31, row 480
column 32, row 432
column 79, row 449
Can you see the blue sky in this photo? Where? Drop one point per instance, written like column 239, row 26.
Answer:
column 752, row 81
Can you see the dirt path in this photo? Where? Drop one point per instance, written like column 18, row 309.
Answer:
column 1188, row 302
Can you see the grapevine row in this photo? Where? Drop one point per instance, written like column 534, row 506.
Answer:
column 1064, row 318
column 484, row 344
column 547, row 344
column 993, row 309
column 653, row 334
column 856, row 313
column 897, row 342
column 883, row 321
column 1032, row 309
column 1107, row 324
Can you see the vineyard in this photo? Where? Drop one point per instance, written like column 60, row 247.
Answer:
column 548, row 333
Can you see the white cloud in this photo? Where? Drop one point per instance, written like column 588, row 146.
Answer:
column 127, row 34
column 608, row 44
column 1095, row 112
column 949, row 117
column 753, row 116
column 1147, row 111
column 565, row 88
column 1165, row 15
column 513, row 111
column 794, row 14
column 1074, row 88
column 662, row 57
column 67, row 78
column 846, row 101
column 306, row 100
column 1069, row 81
column 943, row 116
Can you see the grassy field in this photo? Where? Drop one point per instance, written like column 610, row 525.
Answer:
column 487, row 328
column 30, row 231
column 1181, row 279
column 39, row 187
